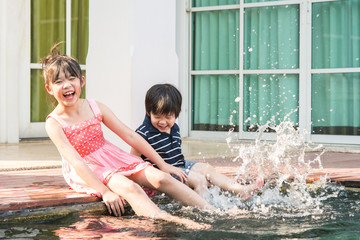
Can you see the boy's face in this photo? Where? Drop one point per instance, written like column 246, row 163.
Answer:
column 163, row 122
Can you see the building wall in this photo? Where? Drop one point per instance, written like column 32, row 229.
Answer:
column 154, row 58
column 133, row 44
column 109, row 61
column 12, row 61
column 131, row 47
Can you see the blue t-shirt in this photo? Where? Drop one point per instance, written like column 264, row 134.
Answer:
column 168, row 146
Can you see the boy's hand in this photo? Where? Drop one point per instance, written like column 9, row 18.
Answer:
column 176, row 171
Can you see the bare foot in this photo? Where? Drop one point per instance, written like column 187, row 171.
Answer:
column 260, row 182
column 251, row 189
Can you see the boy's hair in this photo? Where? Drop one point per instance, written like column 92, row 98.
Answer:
column 56, row 62
column 163, row 99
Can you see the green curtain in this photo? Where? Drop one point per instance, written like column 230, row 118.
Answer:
column 336, row 44
column 48, row 26
column 216, row 40
column 270, row 97
column 271, row 41
column 206, row 3
column 336, row 103
column 215, row 47
column 79, row 29
column 214, row 105
column 256, row 1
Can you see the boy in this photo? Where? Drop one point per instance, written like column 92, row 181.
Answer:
column 163, row 106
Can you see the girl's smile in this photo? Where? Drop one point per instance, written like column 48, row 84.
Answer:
column 66, row 88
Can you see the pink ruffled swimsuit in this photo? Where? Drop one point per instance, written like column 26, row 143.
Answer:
column 102, row 157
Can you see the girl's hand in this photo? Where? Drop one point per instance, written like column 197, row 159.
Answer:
column 114, row 203
column 176, row 171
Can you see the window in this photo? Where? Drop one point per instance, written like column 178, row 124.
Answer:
column 215, row 61
column 51, row 22
column 335, row 68
column 257, row 61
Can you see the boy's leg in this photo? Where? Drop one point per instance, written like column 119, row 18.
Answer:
column 224, row 182
column 195, row 180
column 153, row 178
column 198, row 182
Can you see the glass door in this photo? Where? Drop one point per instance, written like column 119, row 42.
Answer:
column 51, row 22
column 254, row 62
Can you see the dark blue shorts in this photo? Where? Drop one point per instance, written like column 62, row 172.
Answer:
column 186, row 169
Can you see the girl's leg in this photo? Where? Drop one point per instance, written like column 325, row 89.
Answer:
column 224, row 182
column 134, row 195
column 142, row 204
column 153, row 178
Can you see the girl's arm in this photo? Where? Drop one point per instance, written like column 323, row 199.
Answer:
column 137, row 142
column 113, row 202
column 135, row 153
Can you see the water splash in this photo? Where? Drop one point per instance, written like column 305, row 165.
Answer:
column 282, row 163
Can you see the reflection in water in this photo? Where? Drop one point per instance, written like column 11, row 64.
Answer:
column 336, row 217
column 106, row 227
column 338, row 214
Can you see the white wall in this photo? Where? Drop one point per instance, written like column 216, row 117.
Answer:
column 154, row 58
column 182, row 46
column 3, row 119
column 131, row 47
column 13, row 66
column 108, row 60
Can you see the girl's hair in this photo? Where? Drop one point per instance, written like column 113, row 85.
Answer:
column 56, row 62
column 163, row 99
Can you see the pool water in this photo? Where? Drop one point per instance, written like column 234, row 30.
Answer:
column 286, row 208
column 335, row 214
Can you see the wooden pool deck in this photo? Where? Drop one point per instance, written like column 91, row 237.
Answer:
column 38, row 192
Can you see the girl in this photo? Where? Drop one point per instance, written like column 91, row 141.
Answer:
column 93, row 165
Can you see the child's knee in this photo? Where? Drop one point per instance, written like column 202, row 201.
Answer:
column 125, row 188
column 196, row 179
column 132, row 188
column 162, row 179
column 202, row 168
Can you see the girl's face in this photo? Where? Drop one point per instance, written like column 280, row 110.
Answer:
column 163, row 122
column 66, row 89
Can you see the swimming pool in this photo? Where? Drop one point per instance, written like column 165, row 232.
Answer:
column 335, row 214
column 287, row 207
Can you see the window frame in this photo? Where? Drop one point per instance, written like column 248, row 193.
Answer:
column 304, row 72
column 30, row 129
